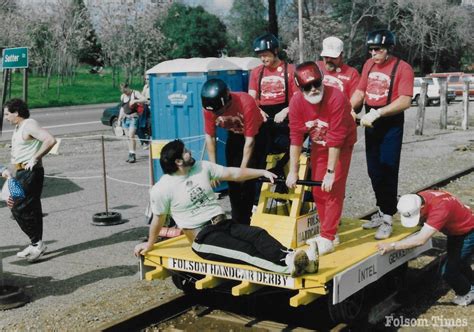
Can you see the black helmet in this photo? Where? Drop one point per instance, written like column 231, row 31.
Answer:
column 214, row 94
column 266, row 42
column 380, row 38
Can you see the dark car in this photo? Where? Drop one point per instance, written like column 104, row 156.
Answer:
column 110, row 117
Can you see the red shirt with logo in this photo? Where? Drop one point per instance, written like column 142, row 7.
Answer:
column 375, row 81
column 446, row 213
column 346, row 79
column 328, row 123
column 242, row 117
column 273, row 83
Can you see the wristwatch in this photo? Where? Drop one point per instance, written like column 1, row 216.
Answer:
column 330, row 171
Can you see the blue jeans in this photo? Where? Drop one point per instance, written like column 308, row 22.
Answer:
column 457, row 269
column 130, row 122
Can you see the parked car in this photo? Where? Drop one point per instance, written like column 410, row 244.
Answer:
column 110, row 118
column 432, row 93
column 456, row 81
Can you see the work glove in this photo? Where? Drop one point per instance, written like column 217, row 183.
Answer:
column 30, row 164
column 369, row 118
column 328, row 181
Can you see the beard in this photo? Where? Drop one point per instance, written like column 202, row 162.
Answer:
column 330, row 66
column 314, row 99
column 189, row 163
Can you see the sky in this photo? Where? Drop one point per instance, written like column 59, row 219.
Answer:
column 212, row 6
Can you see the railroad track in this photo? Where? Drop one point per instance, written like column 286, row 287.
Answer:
column 219, row 308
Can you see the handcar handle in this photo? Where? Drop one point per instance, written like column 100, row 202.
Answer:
column 300, row 182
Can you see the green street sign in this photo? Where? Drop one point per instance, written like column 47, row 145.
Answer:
column 15, row 58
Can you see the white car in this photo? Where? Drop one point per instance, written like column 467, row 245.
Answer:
column 432, row 93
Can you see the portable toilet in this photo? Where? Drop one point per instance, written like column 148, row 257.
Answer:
column 245, row 64
column 175, row 101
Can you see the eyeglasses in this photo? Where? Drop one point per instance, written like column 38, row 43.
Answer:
column 315, row 84
column 376, row 49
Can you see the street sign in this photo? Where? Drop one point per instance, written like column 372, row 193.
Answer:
column 15, row 58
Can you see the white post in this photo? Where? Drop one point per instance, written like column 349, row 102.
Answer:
column 465, row 106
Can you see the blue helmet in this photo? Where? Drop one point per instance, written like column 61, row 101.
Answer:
column 266, row 42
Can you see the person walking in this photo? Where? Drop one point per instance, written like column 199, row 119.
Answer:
column 238, row 113
column 440, row 211
column 324, row 114
column 386, row 88
column 185, row 193
column 272, row 85
column 336, row 73
column 128, row 117
column 30, row 143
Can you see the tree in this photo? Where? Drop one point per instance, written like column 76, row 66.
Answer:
column 91, row 52
column 192, row 32
column 131, row 39
column 246, row 22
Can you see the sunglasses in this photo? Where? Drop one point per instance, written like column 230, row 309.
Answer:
column 315, row 84
column 376, row 49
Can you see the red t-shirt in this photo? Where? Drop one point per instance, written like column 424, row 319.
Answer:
column 273, row 83
column 329, row 123
column 346, row 79
column 243, row 117
column 446, row 213
column 377, row 83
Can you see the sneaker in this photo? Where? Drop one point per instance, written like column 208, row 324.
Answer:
column 336, row 240
column 25, row 252
column 384, row 231
column 297, row 261
column 313, row 255
column 464, row 299
column 375, row 221
column 36, row 252
column 325, row 246
column 131, row 158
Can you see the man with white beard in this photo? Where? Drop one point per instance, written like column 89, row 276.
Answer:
column 323, row 113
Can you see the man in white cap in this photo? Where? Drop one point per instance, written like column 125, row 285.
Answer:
column 440, row 211
column 336, row 72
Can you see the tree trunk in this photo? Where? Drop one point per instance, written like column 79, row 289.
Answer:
column 272, row 17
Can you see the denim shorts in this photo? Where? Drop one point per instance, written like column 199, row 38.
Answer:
column 130, row 122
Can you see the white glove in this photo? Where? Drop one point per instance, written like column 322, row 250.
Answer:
column 328, row 181
column 30, row 164
column 368, row 119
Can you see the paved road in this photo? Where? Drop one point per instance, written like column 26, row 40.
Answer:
column 65, row 120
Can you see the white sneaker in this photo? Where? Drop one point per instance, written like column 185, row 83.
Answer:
column 384, row 231
column 325, row 246
column 297, row 261
column 25, row 252
column 36, row 252
column 313, row 255
column 464, row 299
column 375, row 221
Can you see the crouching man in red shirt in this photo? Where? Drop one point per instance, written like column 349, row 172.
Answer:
column 439, row 211
column 323, row 113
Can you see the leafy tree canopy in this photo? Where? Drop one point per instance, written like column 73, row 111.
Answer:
column 193, row 32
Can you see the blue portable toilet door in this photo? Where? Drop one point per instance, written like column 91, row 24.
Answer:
column 178, row 112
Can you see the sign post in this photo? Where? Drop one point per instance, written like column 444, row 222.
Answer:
column 13, row 58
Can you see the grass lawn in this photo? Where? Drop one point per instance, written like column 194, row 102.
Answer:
column 86, row 89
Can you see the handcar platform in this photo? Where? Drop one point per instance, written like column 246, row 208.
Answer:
column 354, row 264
